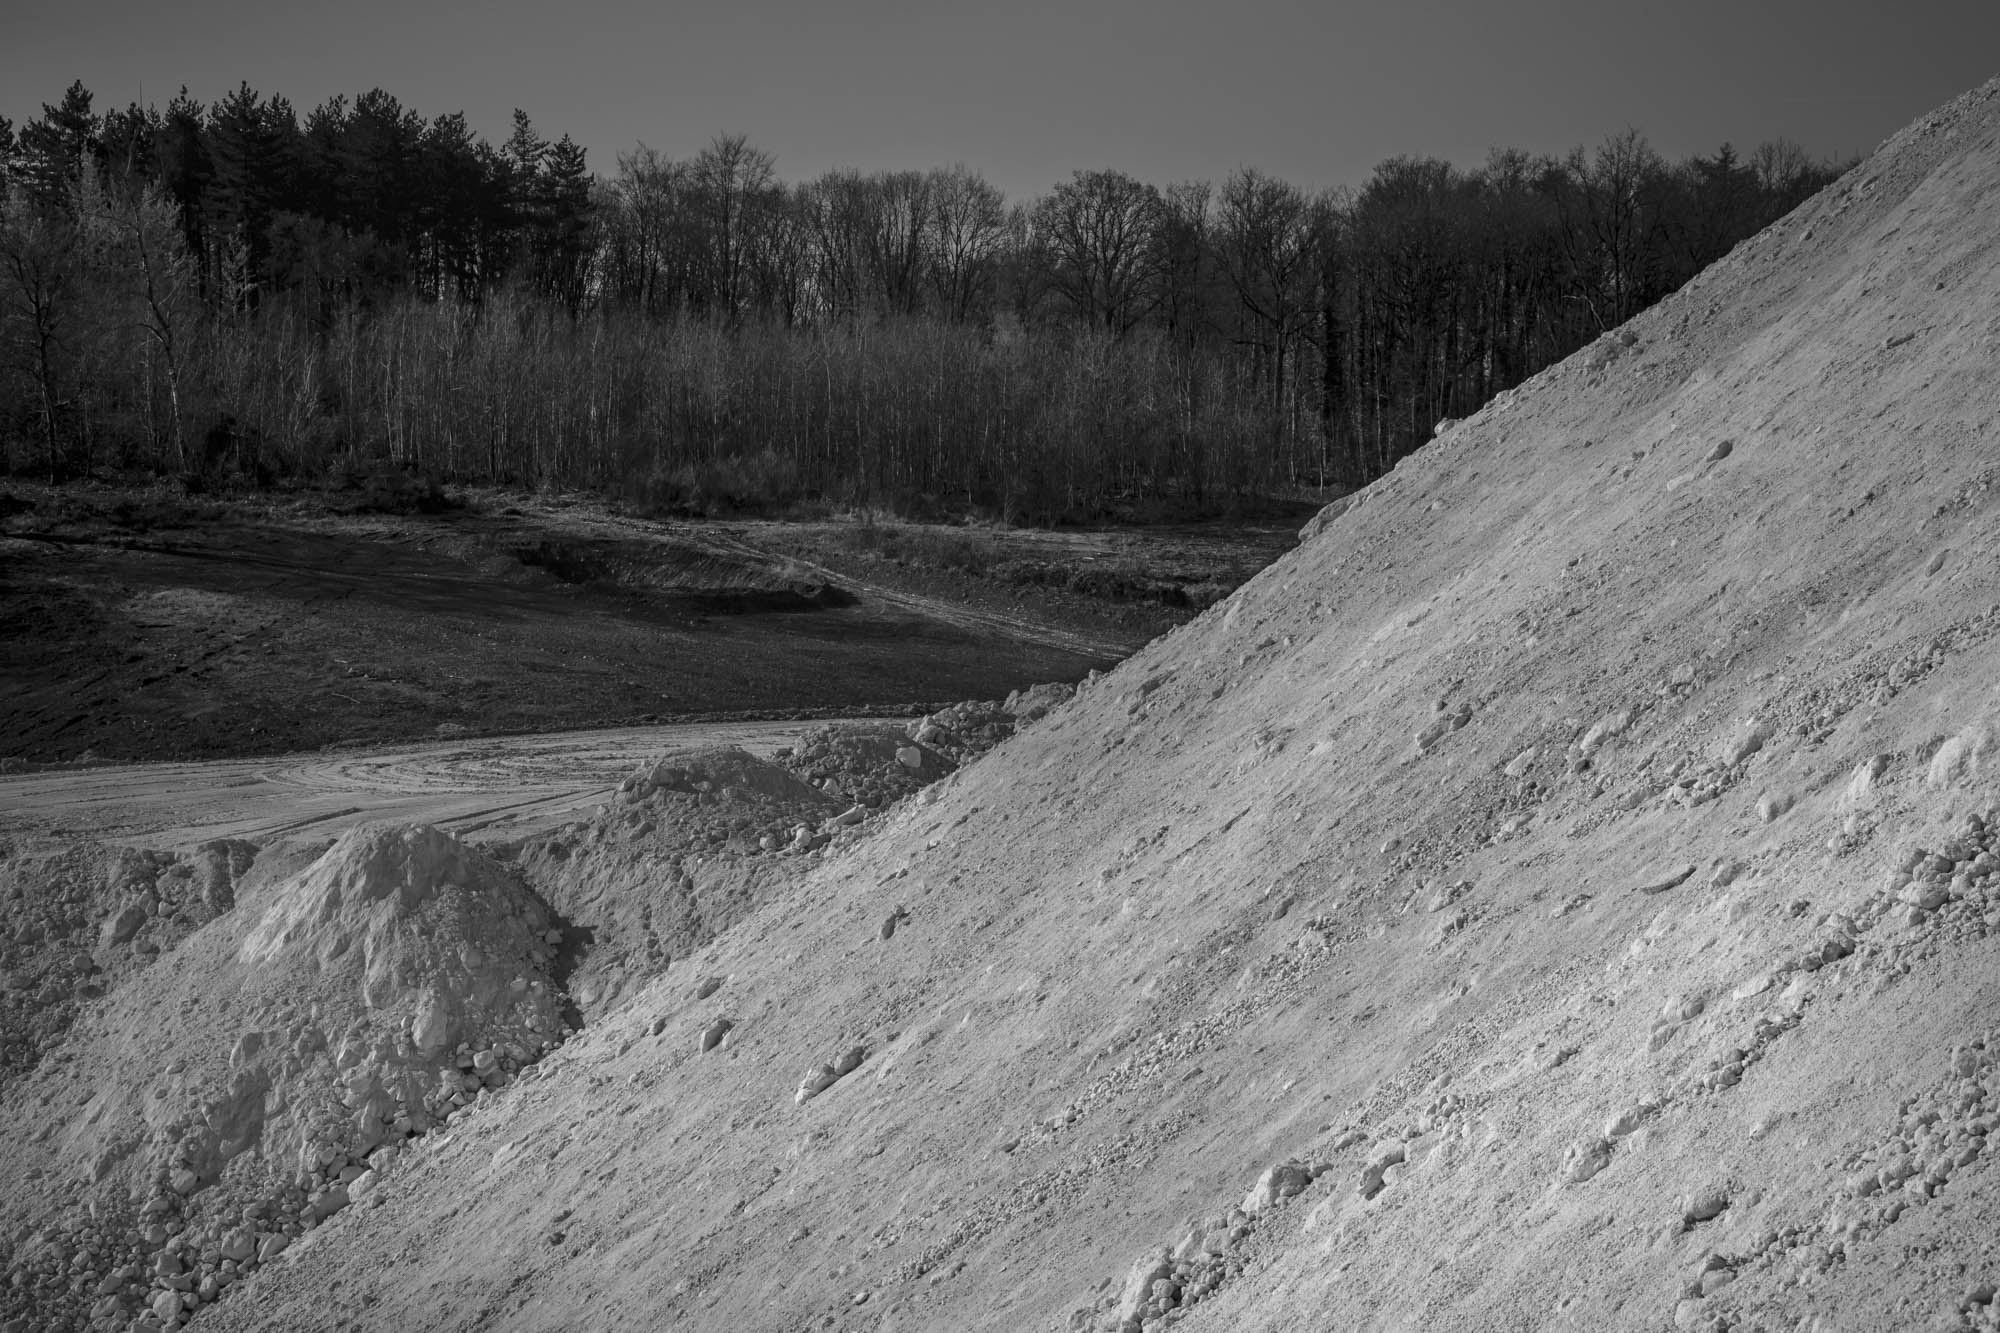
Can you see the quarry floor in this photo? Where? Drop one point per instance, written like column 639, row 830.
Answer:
column 149, row 626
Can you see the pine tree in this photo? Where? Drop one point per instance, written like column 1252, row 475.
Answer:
column 185, row 168
column 563, row 244
column 254, row 145
column 377, row 160
column 522, row 158
column 53, row 149
column 451, row 177
column 131, row 140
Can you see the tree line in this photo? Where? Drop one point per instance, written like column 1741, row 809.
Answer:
column 236, row 289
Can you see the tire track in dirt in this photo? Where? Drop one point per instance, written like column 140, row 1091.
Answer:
column 500, row 786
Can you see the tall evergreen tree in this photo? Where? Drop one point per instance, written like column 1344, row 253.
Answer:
column 131, row 142
column 522, row 156
column 54, row 148
column 253, row 144
column 562, row 247
column 376, row 162
column 185, row 168
column 454, row 204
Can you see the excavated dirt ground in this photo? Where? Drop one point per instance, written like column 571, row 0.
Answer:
column 1564, row 893
column 144, row 625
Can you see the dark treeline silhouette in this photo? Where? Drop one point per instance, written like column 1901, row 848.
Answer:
column 236, row 291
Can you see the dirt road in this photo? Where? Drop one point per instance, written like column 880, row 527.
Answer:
column 491, row 786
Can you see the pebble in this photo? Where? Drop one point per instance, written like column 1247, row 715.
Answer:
column 1441, row 726
column 1584, row 1160
column 1756, row 985
column 1627, row 1120
column 1744, row 744
column 1137, row 1293
column 816, row 1080
column 1703, row 1206
column 1773, row 804
column 1925, row 893
column 1277, row 1182
column 1610, row 725
column 1380, row 1158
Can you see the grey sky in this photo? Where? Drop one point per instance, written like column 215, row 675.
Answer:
column 1028, row 92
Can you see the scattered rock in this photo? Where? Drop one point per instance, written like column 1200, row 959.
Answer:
column 1380, row 1158
column 1627, row 1120
column 1756, row 985
column 1277, row 1182
column 122, row 924
column 1746, row 742
column 1612, row 724
column 1703, row 1206
column 1441, row 726
column 1585, row 1160
column 1773, row 804
column 816, row 1080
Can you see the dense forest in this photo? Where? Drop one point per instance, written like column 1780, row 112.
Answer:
column 234, row 294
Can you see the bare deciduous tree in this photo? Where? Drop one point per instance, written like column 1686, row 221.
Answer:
column 1097, row 239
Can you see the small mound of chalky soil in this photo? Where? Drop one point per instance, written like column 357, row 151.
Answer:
column 964, row 731
column 685, row 847
column 875, row 765
column 871, row 764
column 722, row 799
column 222, row 1104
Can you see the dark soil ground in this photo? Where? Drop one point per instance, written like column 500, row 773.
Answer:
column 137, row 625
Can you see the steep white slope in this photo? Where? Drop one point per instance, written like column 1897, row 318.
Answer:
column 1549, row 822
